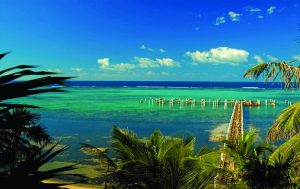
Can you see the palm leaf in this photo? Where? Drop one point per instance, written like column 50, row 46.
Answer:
column 3, row 54
column 287, row 124
column 28, row 172
column 292, row 145
column 99, row 152
column 10, row 77
column 286, row 72
column 17, row 67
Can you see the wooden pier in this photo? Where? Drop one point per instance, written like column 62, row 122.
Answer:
column 236, row 126
column 234, row 134
column 213, row 102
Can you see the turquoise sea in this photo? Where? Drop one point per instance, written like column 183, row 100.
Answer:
column 86, row 113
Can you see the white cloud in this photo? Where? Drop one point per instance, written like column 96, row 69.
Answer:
column 220, row 20
column 143, row 47
column 159, row 62
column 162, row 50
column 272, row 58
column 234, row 16
column 146, row 62
column 252, row 9
column 258, row 59
column 123, row 66
column 220, row 55
column 297, row 57
column 260, row 16
column 76, row 69
column 167, row 62
column 271, row 9
column 104, row 63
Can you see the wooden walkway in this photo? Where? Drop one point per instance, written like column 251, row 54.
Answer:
column 234, row 133
column 236, row 126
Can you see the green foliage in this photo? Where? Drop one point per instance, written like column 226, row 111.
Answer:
column 28, row 174
column 22, row 139
column 287, row 123
column 11, row 87
column 259, row 166
column 157, row 162
column 283, row 71
column 261, row 172
column 288, row 147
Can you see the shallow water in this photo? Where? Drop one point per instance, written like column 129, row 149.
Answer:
column 86, row 114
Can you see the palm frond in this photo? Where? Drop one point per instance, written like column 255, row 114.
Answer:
column 98, row 152
column 17, row 67
column 287, row 123
column 288, row 147
column 272, row 71
column 28, row 172
column 4, row 54
column 11, row 77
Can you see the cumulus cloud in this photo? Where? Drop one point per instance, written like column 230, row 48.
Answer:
column 104, row 63
column 123, row 66
column 271, row 9
column 167, row 62
column 146, row 62
column 252, row 10
column 234, row 16
column 159, row 62
column 220, row 20
column 143, row 47
column 258, row 59
column 220, row 55
column 76, row 69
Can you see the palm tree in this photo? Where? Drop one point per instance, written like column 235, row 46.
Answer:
column 287, row 124
column 259, row 166
column 28, row 174
column 22, row 139
column 262, row 172
column 158, row 162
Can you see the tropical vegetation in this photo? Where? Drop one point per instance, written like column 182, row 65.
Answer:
column 24, row 143
column 156, row 162
column 169, row 162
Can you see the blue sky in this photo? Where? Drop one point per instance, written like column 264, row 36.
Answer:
column 171, row 40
